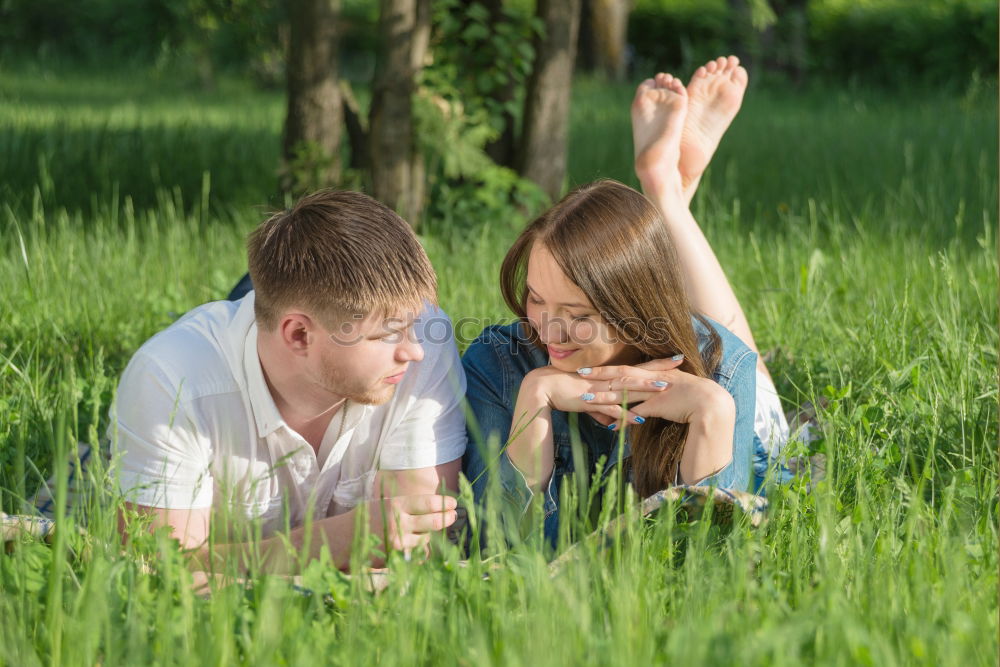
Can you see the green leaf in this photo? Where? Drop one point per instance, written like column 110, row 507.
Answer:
column 475, row 32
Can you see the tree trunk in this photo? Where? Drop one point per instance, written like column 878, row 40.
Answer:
column 357, row 129
column 397, row 166
column 542, row 148
column 311, row 146
column 586, row 61
column 608, row 26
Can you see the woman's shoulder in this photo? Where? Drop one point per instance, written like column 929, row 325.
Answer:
column 504, row 345
column 735, row 353
column 499, row 335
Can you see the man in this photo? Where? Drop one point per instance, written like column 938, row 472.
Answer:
column 311, row 397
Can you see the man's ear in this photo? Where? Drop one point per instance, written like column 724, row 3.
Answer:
column 297, row 332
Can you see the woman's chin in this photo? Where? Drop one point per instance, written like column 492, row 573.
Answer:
column 575, row 361
column 568, row 364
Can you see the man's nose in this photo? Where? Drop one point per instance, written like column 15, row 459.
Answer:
column 409, row 349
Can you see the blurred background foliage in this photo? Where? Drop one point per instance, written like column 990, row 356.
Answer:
column 885, row 42
column 472, row 84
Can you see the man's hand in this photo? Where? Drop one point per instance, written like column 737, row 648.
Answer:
column 405, row 523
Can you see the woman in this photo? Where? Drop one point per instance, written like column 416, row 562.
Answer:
column 619, row 299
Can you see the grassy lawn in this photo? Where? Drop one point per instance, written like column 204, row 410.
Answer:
column 858, row 228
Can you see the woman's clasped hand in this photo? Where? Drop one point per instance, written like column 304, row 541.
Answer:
column 620, row 394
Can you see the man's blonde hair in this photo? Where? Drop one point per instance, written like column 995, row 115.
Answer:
column 337, row 254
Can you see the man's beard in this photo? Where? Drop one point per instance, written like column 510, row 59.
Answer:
column 373, row 396
column 337, row 382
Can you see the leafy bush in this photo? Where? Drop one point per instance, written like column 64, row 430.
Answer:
column 132, row 32
column 676, row 34
column 877, row 41
column 232, row 34
column 894, row 40
column 470, row 95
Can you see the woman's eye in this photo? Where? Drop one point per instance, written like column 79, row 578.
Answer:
column 535, row 301
column 580, row 318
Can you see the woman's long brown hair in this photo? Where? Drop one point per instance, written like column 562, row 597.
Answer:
column 614, row 245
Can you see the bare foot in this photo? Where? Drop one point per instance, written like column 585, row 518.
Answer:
column 658, row 113
column 715, row 93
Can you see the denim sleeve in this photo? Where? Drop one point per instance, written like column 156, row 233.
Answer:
column 490, row 395
column 742, row 386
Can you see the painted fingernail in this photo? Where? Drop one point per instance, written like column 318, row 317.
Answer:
column 660, row 383
column 640, row 420
column 587, row 397
column 612, row 427
column 586, row 370
column 677, row 357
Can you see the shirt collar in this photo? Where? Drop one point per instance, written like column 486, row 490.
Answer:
column 265, row 412
column 243, row 332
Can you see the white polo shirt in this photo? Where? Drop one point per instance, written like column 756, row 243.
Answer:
column 195, row 425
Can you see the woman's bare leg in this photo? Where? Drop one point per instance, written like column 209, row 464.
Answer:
column 715, row 94
column 659, row 152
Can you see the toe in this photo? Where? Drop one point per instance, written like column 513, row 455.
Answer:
column 700, row 73
column 739, row 75
column 711, row 66
column 642, row 91
column 732, row 62
column 721, row 62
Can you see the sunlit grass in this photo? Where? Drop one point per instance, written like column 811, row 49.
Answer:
column 861, row 239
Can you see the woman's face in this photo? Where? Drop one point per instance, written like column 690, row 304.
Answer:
column 569, row 326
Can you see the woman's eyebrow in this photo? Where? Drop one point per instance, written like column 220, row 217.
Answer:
column 569, row 305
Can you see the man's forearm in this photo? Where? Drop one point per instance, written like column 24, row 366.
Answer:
column 282, row 554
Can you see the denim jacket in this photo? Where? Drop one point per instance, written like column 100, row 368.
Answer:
column 496, row 363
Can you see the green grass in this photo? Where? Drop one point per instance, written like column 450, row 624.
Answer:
column 858, row 229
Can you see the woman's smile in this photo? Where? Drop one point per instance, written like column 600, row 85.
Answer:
column 559, row 353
